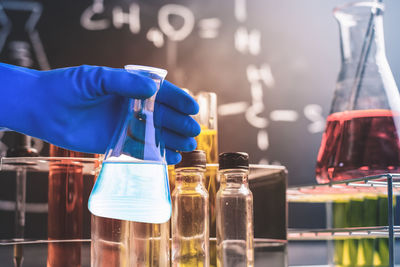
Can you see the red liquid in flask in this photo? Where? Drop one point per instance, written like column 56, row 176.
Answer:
column 359, row 143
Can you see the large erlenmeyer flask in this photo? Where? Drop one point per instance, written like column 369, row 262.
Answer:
column 133, row 182
column 362, row 132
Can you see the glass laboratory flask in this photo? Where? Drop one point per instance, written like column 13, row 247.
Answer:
column 362, row 131
column 133, row 182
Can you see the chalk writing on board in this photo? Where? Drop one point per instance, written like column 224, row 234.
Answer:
column 257, row 77
column 176, row 34
column 20, row 49
column 88, row 20
column 155, row 36
column 240, row 10
column 284, row 115
column 93, row 19
column 263, row 140
column 209, row 28
column 131, row 18
column 235, row 108
column 313, row 112
column 248, row 41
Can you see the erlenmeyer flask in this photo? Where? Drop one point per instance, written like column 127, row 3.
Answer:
column 362, row 132
column 133, row 182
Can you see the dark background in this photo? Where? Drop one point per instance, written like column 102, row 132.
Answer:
column 299, row 47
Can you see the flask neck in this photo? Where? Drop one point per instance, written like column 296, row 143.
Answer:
column 233, row 178
column 189, row 177
column 359, row 27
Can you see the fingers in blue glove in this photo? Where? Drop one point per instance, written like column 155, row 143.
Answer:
column 173, row 157
column 178, row 122
column 175, row 98
column 100, row 81
column 178, row 142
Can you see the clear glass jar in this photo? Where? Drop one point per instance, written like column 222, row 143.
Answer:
column 190, row 230
column 234, row 212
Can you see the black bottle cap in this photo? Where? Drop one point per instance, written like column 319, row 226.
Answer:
column 195, row 158
column 233, row 160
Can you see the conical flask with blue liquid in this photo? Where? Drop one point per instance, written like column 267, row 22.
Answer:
column 133, row 182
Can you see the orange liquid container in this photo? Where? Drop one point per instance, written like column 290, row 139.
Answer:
column 359, row 143
column 65, row 208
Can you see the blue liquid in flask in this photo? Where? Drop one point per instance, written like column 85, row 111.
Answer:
column 123, row 191
column 133, row 182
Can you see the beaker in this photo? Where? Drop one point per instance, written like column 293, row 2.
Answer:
column 133, row 182
column 361, row 136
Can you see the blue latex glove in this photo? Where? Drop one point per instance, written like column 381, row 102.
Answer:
column 78, row 108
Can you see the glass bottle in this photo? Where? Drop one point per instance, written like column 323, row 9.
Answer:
column 234, row 210
column 190, row 231
column 361, row 136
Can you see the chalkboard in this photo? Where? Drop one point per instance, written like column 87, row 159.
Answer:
column 272, row 63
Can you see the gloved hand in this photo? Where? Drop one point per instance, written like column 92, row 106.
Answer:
column 78, row 108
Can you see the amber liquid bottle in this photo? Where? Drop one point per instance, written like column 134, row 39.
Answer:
column 190, row 235
column 65, row 208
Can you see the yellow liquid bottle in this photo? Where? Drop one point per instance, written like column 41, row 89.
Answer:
column 190, row 231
